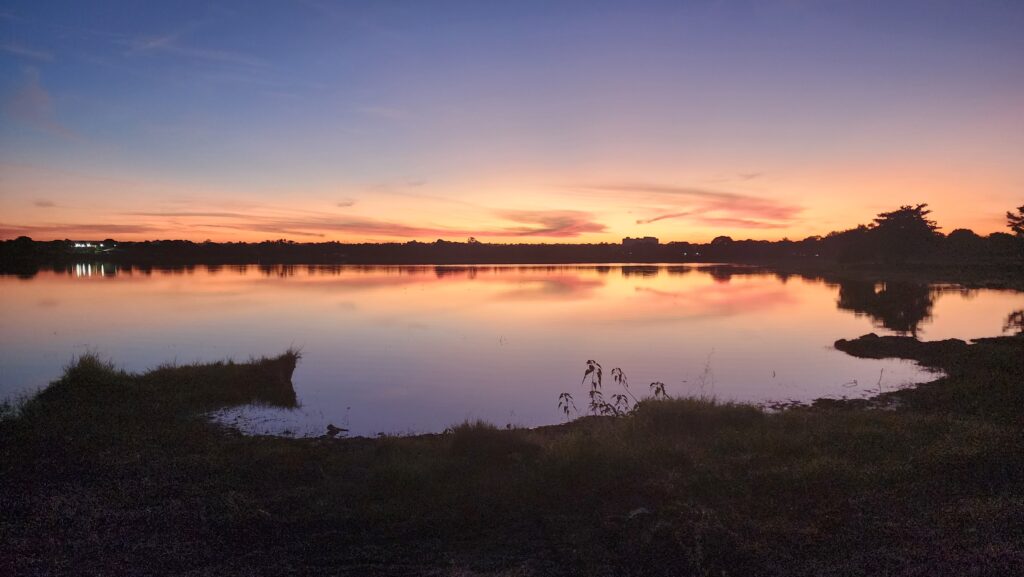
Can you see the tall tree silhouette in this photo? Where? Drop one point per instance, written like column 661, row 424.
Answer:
column 1016, row 221
column 903, row 233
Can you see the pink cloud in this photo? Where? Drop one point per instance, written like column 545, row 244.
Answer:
column 705, row 206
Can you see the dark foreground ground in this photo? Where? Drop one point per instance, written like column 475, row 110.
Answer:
column 108, row 473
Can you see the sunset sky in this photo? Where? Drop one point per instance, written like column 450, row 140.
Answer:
column 512, row 121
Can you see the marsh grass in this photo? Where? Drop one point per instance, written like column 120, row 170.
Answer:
column 110, row 472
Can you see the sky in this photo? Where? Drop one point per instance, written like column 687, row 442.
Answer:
column 555, row 121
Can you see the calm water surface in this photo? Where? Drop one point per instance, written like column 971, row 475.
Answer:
column 415, row 349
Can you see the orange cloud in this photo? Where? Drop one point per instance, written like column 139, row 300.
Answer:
column 530, row 223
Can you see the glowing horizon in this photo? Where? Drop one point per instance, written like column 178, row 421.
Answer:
column 581, row 122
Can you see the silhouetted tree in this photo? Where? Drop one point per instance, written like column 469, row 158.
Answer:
column 903, row 233
column 1016, row 221
column 965, row 245
column 907, row 220
column 963, row 235
column 850, row 245
column 1015, row 321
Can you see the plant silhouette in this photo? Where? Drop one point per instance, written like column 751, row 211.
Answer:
column 616, row 404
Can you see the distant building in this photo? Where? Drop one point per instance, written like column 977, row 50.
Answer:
column 93, row 245
column 640, row 241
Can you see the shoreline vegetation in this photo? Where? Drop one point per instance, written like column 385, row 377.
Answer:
column 898, row 238
column 107, row 472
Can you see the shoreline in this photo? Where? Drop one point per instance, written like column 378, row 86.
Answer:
column 1000, row 276
column 675, row 486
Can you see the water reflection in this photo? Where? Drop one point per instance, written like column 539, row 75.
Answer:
column 901, row 307
column 640, row 271
column 420, row 347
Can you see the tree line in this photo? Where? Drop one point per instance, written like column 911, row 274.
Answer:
column 901, row 236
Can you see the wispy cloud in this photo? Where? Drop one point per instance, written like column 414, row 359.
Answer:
column 169, row 45
column 703, row 206
column 43, row 203
column 555, row 223
column 664, row 217
column 345, row 203
column 269, row 227
column 550, row 224
column 190, row 214
column 174, row 44
column 734, row 177
column 76, row 230
column 740, row 222
column 32, row 104
column 25, row 52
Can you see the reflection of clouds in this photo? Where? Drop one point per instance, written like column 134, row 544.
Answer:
column 244, row 284
column 548, row 288
column 410, row 297
column 529, row 282
column 705, row 301
column 416, row 290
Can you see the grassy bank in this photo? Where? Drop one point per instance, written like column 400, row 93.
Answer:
column 112, row 473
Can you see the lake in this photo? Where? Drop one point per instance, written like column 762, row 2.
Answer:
column 405, row 349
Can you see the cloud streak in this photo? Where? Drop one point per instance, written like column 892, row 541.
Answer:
column 525, row 223
column 172, row 44
column 190, row 214
column 558, row 223
column 704, row 206
column 168, row 44
column 25, row 52
column 76, row 230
